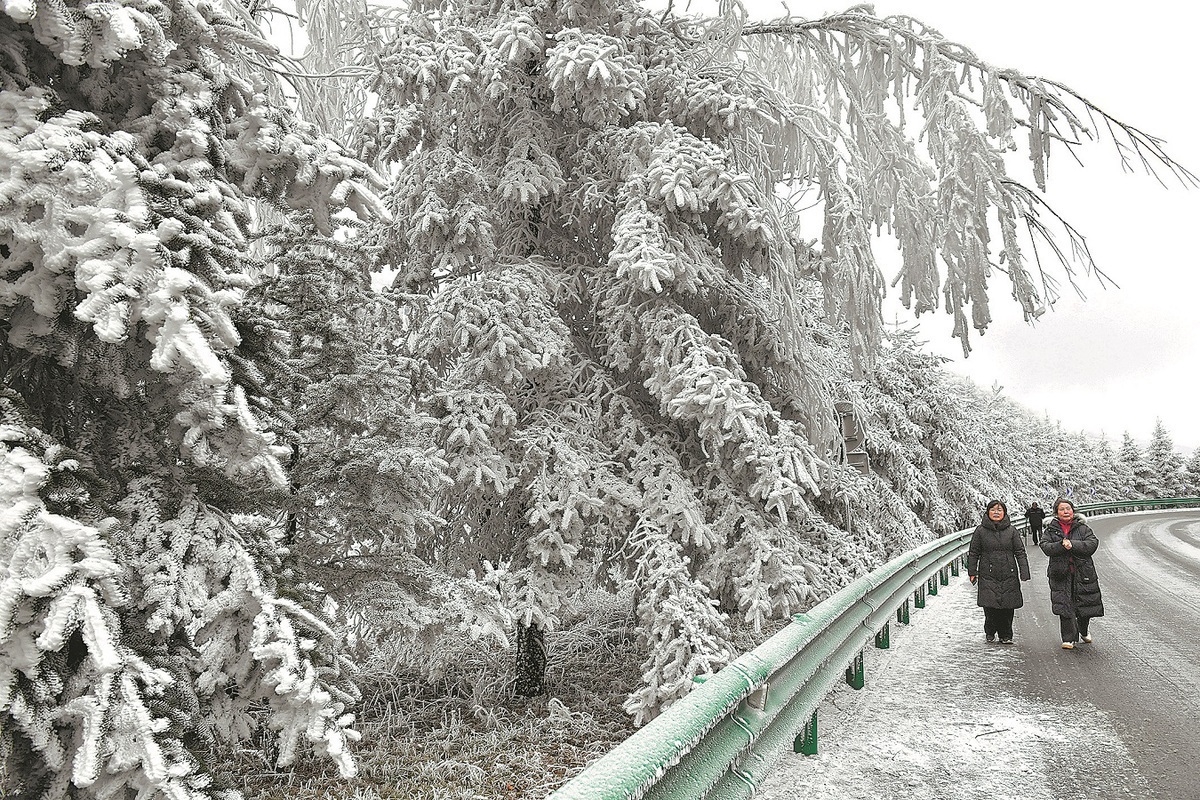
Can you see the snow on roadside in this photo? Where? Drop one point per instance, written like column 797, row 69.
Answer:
column 938, row 719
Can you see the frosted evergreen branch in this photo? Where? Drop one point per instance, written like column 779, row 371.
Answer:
column 866, row 28
column 1080, row 252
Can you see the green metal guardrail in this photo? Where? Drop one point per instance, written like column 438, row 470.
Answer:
column 723, row 738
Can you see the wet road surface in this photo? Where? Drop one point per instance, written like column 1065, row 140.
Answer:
column 1143, row 668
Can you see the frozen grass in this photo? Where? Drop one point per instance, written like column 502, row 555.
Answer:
column 466, row 736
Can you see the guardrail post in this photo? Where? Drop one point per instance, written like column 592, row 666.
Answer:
column 854, row 672
column 954, row 567
column 806, row 740
column 902, row 612
column 932, row 584
column 944, row 576
column 919, row 597
column 883, row 639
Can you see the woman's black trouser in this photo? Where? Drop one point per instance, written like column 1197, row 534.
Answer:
column 1073, row 627
column 998, row 621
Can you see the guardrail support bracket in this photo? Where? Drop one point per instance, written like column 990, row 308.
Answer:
column 954, row 567
column 884, row 637
column 932, row 584
column 944, row 576
column 806, row 740
column 854, row 672
column 919, row 596
column 902, row 613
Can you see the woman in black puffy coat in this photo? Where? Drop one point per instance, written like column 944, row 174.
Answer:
column 1074, row 587
column 996, row 563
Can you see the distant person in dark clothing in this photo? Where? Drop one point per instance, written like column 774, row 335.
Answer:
column 1074, row 587
column 996, row 563
column 1034, row 516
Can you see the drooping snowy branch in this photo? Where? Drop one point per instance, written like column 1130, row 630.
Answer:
column 133, row 645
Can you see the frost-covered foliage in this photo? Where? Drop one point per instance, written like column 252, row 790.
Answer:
column 919, row 435
column 125, row 189
column 135, row 645
column 1191, row 475
column 895, row 128
column 634, row 347
column 1135, row 467
column 617, row 396
column 1108, row 475
column 144, row 610
column 1087, row 469
column 365, row 467
column 611, row 354
column 946, row 446
column 1165, row 465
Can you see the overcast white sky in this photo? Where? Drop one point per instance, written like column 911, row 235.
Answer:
column 1125, row 356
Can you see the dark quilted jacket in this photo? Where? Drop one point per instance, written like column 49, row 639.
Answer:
column 1074, row 587
column 997, row 558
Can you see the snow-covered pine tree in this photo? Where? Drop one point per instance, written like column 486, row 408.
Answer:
column 1134, row 465
column 903, row 409
column 365, row 469
column 144, row 608
column 1064, row 462
column 1079, row 470
column 1108, row 474
column 985, row 444
column 636, row 345
column 1015, row 449
column 1191, row 475
column 1164, row 463
column 604, row 293
column 961, row 449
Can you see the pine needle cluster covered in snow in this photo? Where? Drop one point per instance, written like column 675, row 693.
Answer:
column 134, row 644
column 139, row 623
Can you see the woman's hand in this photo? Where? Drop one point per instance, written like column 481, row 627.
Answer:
column 1067, row 543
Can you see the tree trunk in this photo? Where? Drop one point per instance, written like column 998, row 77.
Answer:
column 293, row 526
column 531, row 660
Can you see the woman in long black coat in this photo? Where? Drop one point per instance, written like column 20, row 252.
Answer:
column 996, row 563
column 1074, row 586
column 1034, row 515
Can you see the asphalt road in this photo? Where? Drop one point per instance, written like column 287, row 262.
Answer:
column 1143, row 668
